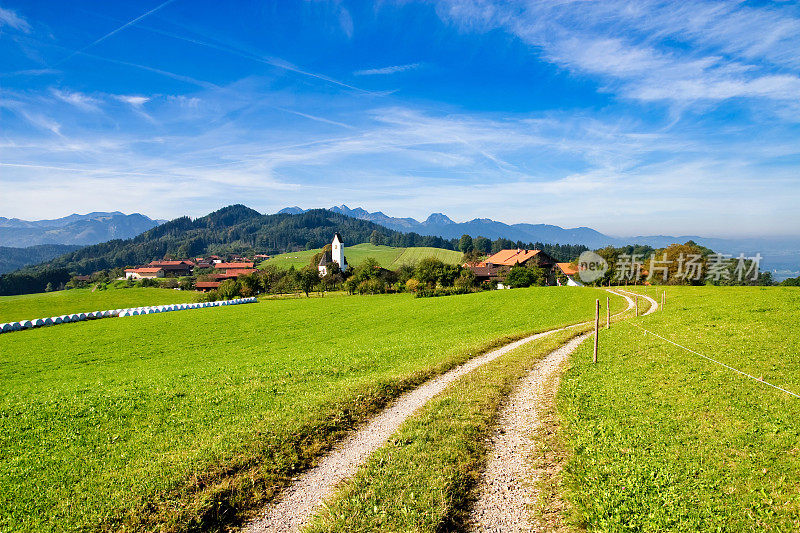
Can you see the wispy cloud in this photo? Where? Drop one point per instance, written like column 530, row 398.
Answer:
column 12, row 19
column 387, row 70
column 239, row 51
column 653, row 50
column 115, row 31
column 79, row 100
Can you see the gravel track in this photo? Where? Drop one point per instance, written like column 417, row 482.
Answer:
column 507, row 487
column 296, row 504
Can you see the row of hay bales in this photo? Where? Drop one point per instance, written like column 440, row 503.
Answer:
column 135, row 311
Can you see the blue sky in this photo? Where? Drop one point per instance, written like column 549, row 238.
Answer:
column 630, row 117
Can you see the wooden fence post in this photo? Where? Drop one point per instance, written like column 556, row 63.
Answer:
column 608, row 313
column 596, row 327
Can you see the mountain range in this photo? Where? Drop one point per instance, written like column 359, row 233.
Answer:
column 75, row 229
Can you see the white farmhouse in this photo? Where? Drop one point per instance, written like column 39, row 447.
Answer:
column 335, row 255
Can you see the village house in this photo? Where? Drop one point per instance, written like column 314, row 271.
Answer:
column 232, row 270
column 174, row 268
column 205, row 286
column 496, row 266
column 335, row 255
column 571, row 272
column 144, row 273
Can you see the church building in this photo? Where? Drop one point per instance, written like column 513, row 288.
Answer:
column 335, row 255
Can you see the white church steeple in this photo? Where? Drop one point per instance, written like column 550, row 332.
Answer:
column 336, row 255
column 337, row 251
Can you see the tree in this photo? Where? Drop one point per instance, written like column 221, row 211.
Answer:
column 482, row 245
column 333, row 276
column 465, row 243
column 376, row 238
column 308, row 278
column 228, row 289
column 465, row 281
column 523, row 276
column 49, row 287
column 431, row 271
column 472, row 257
column 502, row 244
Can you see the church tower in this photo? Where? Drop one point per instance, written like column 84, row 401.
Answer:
column 337, row 251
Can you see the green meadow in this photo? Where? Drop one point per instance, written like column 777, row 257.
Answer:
column 186, row 420
column 661, row 439
column 388, row 256
column 41, row 305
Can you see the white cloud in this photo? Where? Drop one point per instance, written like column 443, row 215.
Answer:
column 79, row 100
column 387, row 70
column 652, row 50
column 12, row 19
column 135, row 101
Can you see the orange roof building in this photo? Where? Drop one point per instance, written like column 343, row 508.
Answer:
column 512, row 257
column 204, row 286
column 234, row 266
column 144, row 272
column 568, row 269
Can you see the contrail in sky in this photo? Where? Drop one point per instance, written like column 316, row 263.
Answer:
column 106, row 36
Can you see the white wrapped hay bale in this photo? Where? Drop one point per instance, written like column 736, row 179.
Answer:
column 5, row 327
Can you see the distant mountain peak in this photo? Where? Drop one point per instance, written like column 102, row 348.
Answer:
column 294, row 210
column 437, row 218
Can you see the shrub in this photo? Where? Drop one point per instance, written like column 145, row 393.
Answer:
column 412, row 285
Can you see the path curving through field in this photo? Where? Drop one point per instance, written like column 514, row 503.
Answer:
column 653, row 303
column 296, row 505
column 507, row 487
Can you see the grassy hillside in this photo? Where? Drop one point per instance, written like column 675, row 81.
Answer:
column 662, row 439
column 390, row 257
column 174, row 421
column 41, row 305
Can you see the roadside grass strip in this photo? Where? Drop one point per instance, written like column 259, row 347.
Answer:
column 660, row 439
column 194, row 421
column 95, row 315
column 423, row 478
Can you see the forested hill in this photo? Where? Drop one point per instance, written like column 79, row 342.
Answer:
column 236, row 228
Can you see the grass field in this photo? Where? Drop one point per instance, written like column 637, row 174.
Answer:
column 181, row 420
column 388, row 256
column 29, row 306
column 661, row 439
